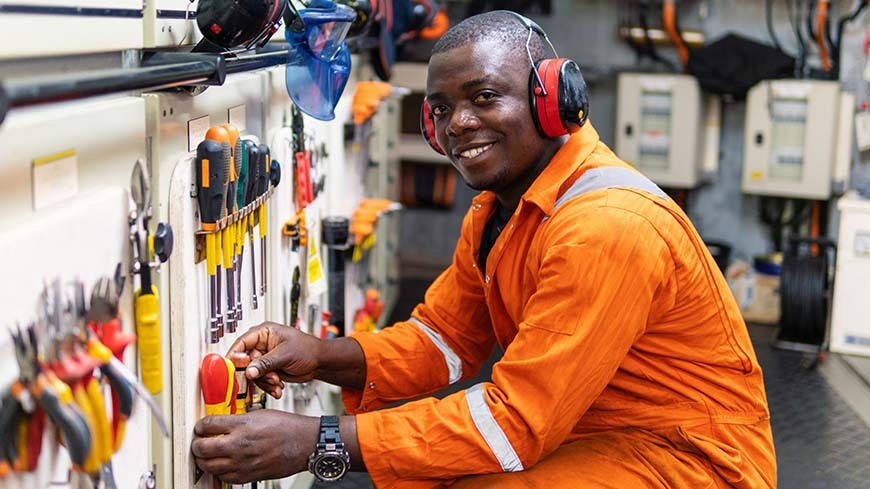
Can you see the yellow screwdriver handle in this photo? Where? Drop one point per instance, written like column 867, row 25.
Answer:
column 211, row 253
column 228, row 236
column 263, row 220
column 148, row 331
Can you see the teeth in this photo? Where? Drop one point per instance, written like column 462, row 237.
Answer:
column 471, row 153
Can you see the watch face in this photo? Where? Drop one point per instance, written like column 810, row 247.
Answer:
column 330, row 467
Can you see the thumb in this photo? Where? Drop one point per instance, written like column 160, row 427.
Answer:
column 269, row 362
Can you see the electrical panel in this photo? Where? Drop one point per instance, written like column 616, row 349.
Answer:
column 63, row 27
column 797, row 139
column 667, row 129
column 850, row 327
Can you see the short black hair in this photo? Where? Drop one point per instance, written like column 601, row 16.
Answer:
column 497, row 25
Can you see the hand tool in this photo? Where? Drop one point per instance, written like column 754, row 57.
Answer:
column 295, row 295
column 302, row 159
column 216, row 377
column 220, row 135
column 118, row 373
column 262, row 188
column 105, row 323
column 147, row 304
column 53, row 396
column 71, row 365
column 336, row 231
column 241, row 194
column 296, row 230
column 229, row 242
column 102, row 431
column 209, row 172
column 254, row 169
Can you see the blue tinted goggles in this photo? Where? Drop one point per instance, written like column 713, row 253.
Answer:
column 326, row 26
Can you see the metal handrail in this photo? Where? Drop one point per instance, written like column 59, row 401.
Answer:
column 158, row 70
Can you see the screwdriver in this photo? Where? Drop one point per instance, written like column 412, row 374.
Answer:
column 216, row 377
column 241, row 235
column 254, row 170
column 262, row 188
column 229, row 242
column 211, row 201
column 220, row 135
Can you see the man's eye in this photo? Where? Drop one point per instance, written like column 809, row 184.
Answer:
column 484, row 97
column 438, row 110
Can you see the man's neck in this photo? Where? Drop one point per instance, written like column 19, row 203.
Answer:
column 510, row 198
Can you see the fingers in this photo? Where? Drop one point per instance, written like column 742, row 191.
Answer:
column 256, row 338
column 214, row 426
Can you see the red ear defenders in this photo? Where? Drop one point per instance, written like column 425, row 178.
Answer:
column 229, row 24
column 559, row 101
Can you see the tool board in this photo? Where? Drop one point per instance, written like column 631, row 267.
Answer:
column 82, row 153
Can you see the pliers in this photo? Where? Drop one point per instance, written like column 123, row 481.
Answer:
column 35, row 386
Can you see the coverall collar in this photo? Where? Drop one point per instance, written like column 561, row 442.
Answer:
column 565, row 163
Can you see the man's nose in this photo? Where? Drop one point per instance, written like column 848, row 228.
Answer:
column 462, row 120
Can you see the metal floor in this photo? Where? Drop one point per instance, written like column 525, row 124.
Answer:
column 820, row 417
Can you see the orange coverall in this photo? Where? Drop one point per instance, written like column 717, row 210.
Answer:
column 626, row 361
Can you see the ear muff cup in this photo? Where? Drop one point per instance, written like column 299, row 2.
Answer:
column 427, row 127
column 565, row 107
column 231, row 23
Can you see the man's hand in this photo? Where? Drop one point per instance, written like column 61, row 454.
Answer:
column 273, row 354
column 261, row 445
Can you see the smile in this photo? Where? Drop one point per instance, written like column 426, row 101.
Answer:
column 475, row 152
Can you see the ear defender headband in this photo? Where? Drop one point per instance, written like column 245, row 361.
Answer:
column 558, row 95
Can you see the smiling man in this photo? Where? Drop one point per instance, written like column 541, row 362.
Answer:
column 626, row 361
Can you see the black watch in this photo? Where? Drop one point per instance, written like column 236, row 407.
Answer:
column 330, row 460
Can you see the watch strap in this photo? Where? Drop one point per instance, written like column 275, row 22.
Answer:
column 329, row 432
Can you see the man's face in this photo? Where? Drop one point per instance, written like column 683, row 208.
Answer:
column 479, row 98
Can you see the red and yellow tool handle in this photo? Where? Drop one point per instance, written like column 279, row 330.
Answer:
column 56, row 399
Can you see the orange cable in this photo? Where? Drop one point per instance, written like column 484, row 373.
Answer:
column 821, row 24
column 815, row 221
column 669, row 17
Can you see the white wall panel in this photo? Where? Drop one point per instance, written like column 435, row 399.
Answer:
column 57, row 27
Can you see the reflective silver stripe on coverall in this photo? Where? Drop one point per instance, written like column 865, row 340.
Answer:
column 454, row 364
column 491, row 431
column 609, row 177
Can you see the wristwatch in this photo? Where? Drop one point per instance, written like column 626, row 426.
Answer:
column 330, row 460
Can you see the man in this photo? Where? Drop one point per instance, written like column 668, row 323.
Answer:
column 626, row 362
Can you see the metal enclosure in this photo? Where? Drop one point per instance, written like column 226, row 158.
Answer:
column 850, row 326
column 662, row 126
column 792, row 138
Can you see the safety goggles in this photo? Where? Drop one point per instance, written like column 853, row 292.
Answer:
column 326, row 26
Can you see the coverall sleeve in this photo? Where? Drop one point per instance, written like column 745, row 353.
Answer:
column 597, row 280
column 447, row 339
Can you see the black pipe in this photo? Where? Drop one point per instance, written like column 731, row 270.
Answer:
column 263, row 59
column 159, row 70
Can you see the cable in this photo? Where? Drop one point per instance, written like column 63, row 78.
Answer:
column 821, row 23
column 805, row 291
column 768, row 15
column 669, row 21
column 650, row 47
